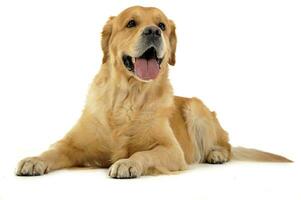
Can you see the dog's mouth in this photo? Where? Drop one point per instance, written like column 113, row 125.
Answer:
column 146, row 67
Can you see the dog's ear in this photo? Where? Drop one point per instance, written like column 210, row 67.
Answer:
column 172, row 43
column 105, row 39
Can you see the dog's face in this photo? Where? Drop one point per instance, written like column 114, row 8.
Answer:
column 140, row 42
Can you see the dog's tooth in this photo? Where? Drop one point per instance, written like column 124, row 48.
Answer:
column 133, row 59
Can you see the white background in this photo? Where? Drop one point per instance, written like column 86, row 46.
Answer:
column 242, row 58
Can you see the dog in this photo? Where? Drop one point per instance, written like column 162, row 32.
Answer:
column 132, row 123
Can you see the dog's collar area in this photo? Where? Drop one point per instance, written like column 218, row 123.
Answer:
column 146, row 66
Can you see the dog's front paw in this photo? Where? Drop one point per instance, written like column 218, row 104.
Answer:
column 125, row 168
column 32, row 166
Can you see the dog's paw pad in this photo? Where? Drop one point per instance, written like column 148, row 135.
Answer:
column 32, row 166
column 125, row 168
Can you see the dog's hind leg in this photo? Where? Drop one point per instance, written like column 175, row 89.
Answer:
column 211, row 141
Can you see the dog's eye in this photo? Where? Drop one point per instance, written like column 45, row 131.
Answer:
column 161, row 26
column 131, row 24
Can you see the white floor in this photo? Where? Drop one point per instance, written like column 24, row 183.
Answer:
column 234, row 180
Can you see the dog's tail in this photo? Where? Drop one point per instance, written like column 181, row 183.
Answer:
column 245, row 154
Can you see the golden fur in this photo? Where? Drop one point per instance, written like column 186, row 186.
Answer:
column 137, row 127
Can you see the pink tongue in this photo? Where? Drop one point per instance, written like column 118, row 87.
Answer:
column 146, row 69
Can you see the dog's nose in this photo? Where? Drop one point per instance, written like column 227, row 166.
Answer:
column 152, row 31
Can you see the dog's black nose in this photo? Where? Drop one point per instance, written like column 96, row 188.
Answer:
column 152, row 31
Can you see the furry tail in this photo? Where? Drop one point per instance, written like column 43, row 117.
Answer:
column 244, row 154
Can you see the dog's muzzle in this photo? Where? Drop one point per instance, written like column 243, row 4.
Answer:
column 146, row 66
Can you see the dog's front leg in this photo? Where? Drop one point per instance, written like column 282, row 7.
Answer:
column 53, row 159
column 167, row 156
column 74, row 150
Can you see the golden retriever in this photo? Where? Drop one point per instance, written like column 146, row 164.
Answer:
column 132, row 123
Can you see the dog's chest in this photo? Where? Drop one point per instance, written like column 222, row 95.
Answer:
column 122, row 115
column 128, row 108
column 119, row 109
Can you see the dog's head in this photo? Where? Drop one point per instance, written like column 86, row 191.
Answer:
column 140, row 42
